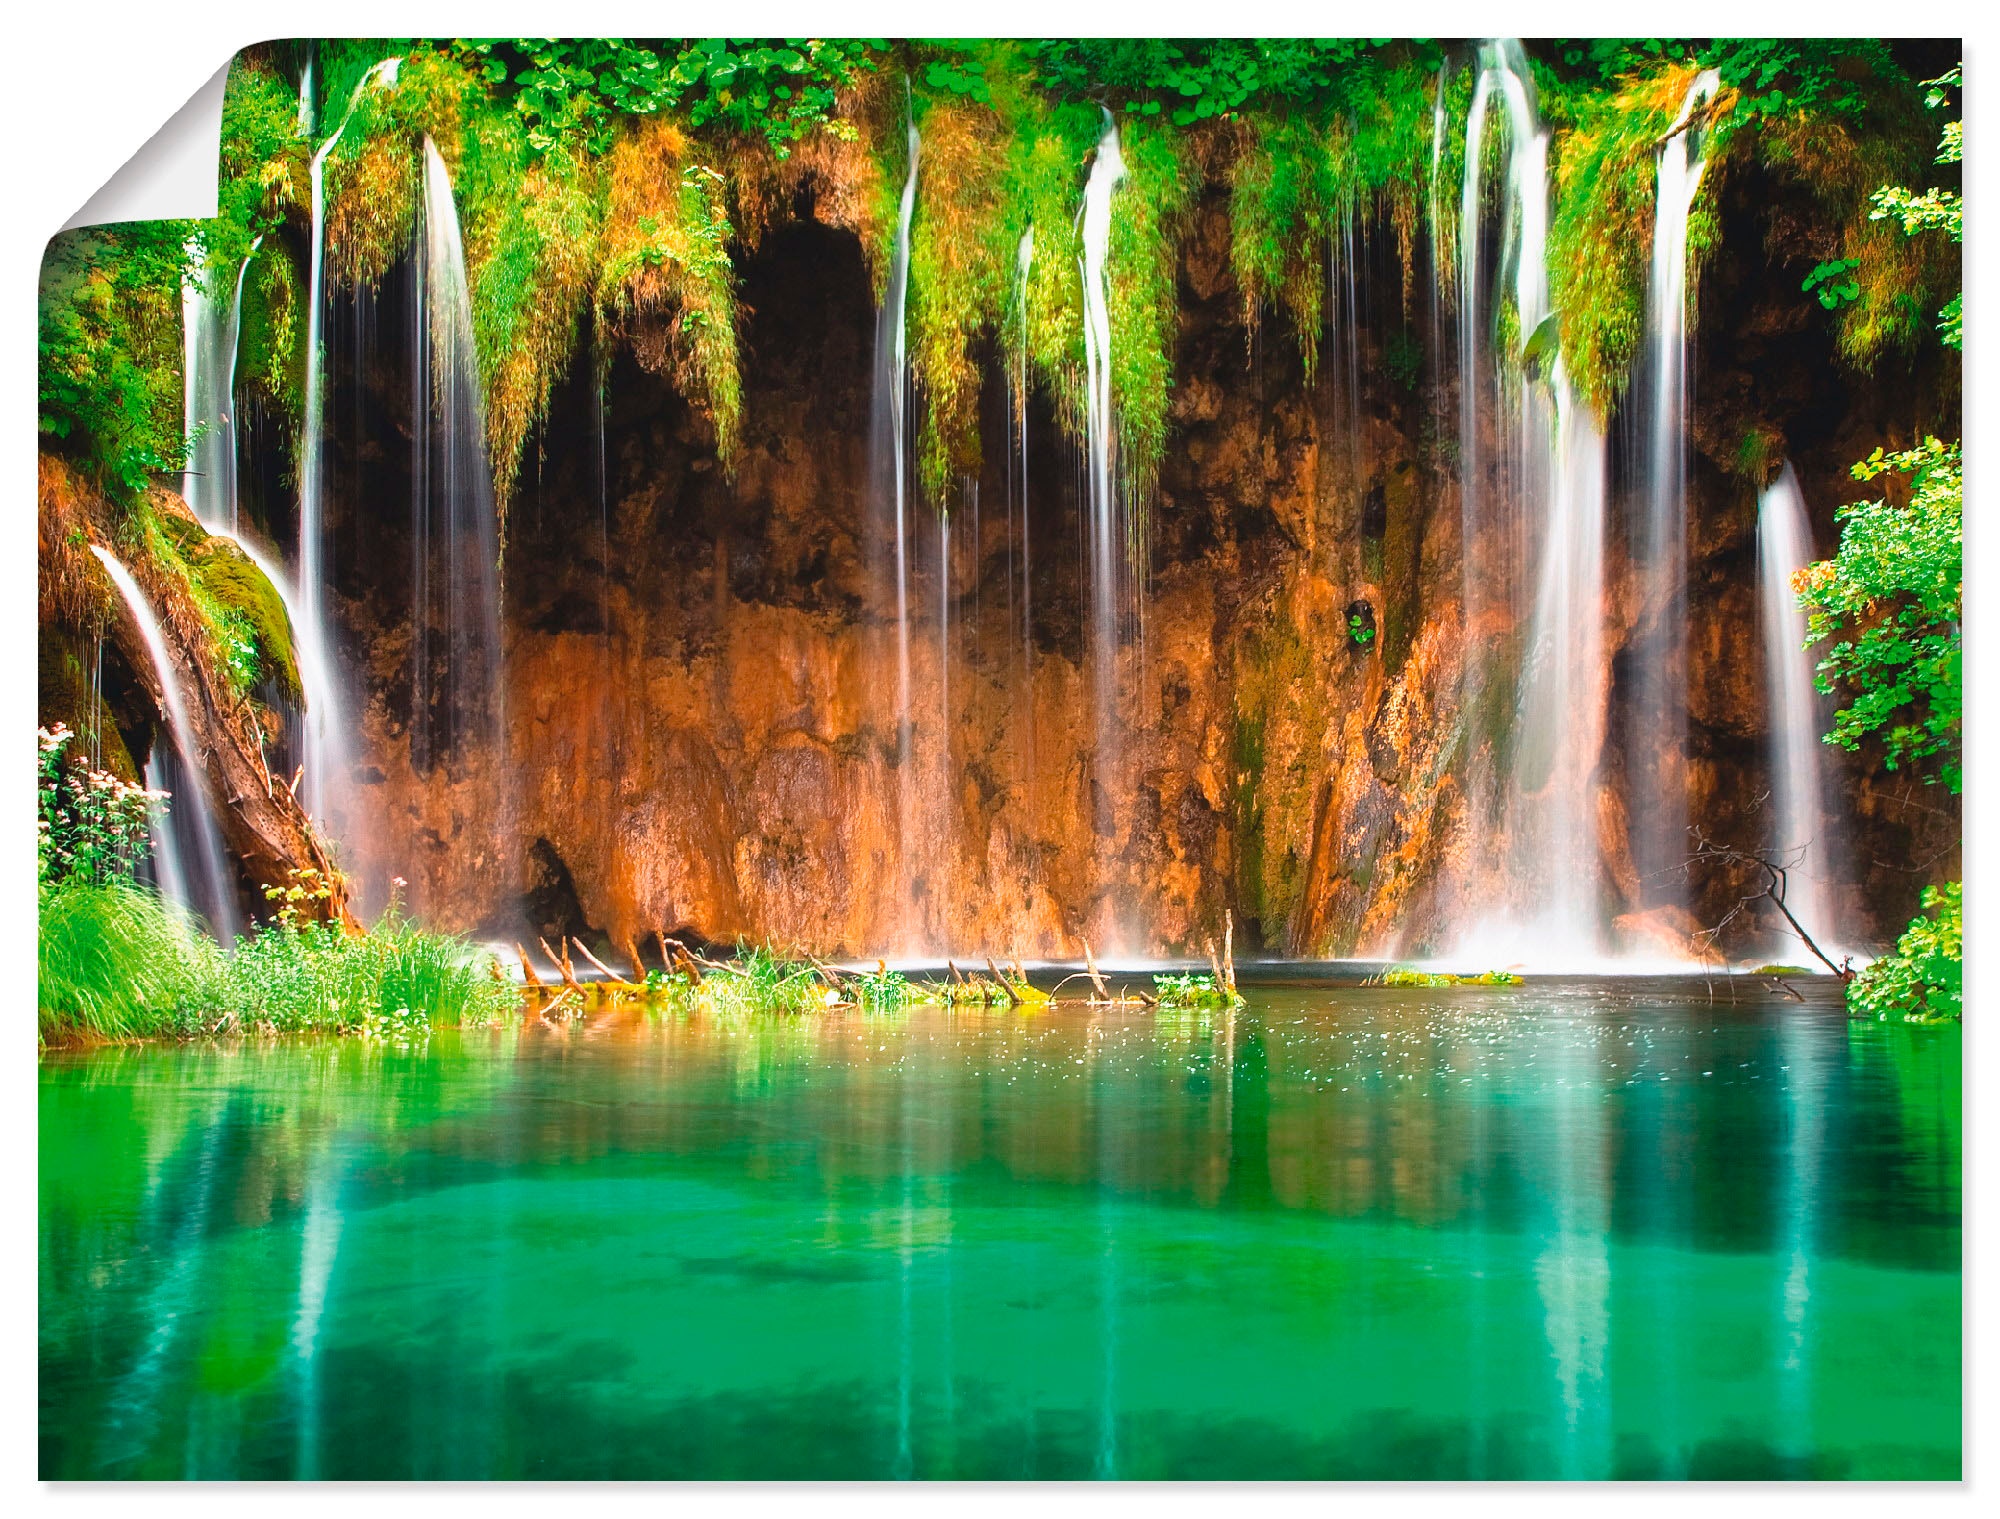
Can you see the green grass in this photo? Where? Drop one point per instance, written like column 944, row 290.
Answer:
column 116, row 962
column 1403, row 975
column 318, row 978
column 113, row 961
column 757, row 981
column 1186, row 991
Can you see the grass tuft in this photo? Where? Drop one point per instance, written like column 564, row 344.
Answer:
column 113, row 961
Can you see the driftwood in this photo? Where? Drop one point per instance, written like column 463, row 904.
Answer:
column 1096, row 980
column 562, row 965
column 1228, row 951
column 631, row 949
column 1006, row 987
column 1775, row 881
column 610, row 974
column 835, row 984
column 676, row 958
column 527, row 966
column 1215, row 965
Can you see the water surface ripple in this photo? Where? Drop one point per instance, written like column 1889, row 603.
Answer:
column 1570, row 1230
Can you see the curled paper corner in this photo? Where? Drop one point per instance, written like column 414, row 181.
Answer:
column 173, row 176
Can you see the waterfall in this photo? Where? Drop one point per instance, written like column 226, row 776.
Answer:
column 1657, row 743
column 889, row 447
column 307, row 115
column 1024, row 261
column 210, row 341
column 1107, row 537
column 209, row 338
column 1495, row 482
column 456, row 690
column 1800, row 838
column 325, row 745
column 194, row 864
column 1535, row 892
column 211, row 490
column 1553, row 868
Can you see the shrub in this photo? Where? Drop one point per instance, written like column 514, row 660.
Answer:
column 1922, row 982
column 1891, row 600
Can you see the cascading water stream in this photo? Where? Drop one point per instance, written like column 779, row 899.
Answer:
column 1553, row 864
column 211, row 491
column 456, row 689
column 1024, row 265
column 209, row 339
column 1656, row 744
column 1800, row 837
column 889, row 447
column 1495, row 479
column 1107, row 536
column 1536, row 896
column 325, row 745
column 199, row 868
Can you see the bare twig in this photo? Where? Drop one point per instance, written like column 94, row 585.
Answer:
column 1775, row 880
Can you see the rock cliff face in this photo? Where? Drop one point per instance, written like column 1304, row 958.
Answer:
column 699, row 705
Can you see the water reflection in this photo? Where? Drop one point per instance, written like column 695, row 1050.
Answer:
column 1576, row 1231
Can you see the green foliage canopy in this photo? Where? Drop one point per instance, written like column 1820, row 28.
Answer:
column 579, row 89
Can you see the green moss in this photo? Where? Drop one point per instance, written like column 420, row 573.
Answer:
column 109, row 346
column 1317, row 137
column 531, row 227
column 262, row 170
column 666, row 284
column 248, row 632
column 1402, row 546
column 1282, row 715
column 1046, row 153
column 1142, row 265
column 250, row 607
column 1840, row 160
column 271, row 340
column 1600, row 231
column 959, row 266
column 1287, row 196
column 1402, row 975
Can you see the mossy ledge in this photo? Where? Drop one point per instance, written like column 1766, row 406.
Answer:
column 619, row 215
